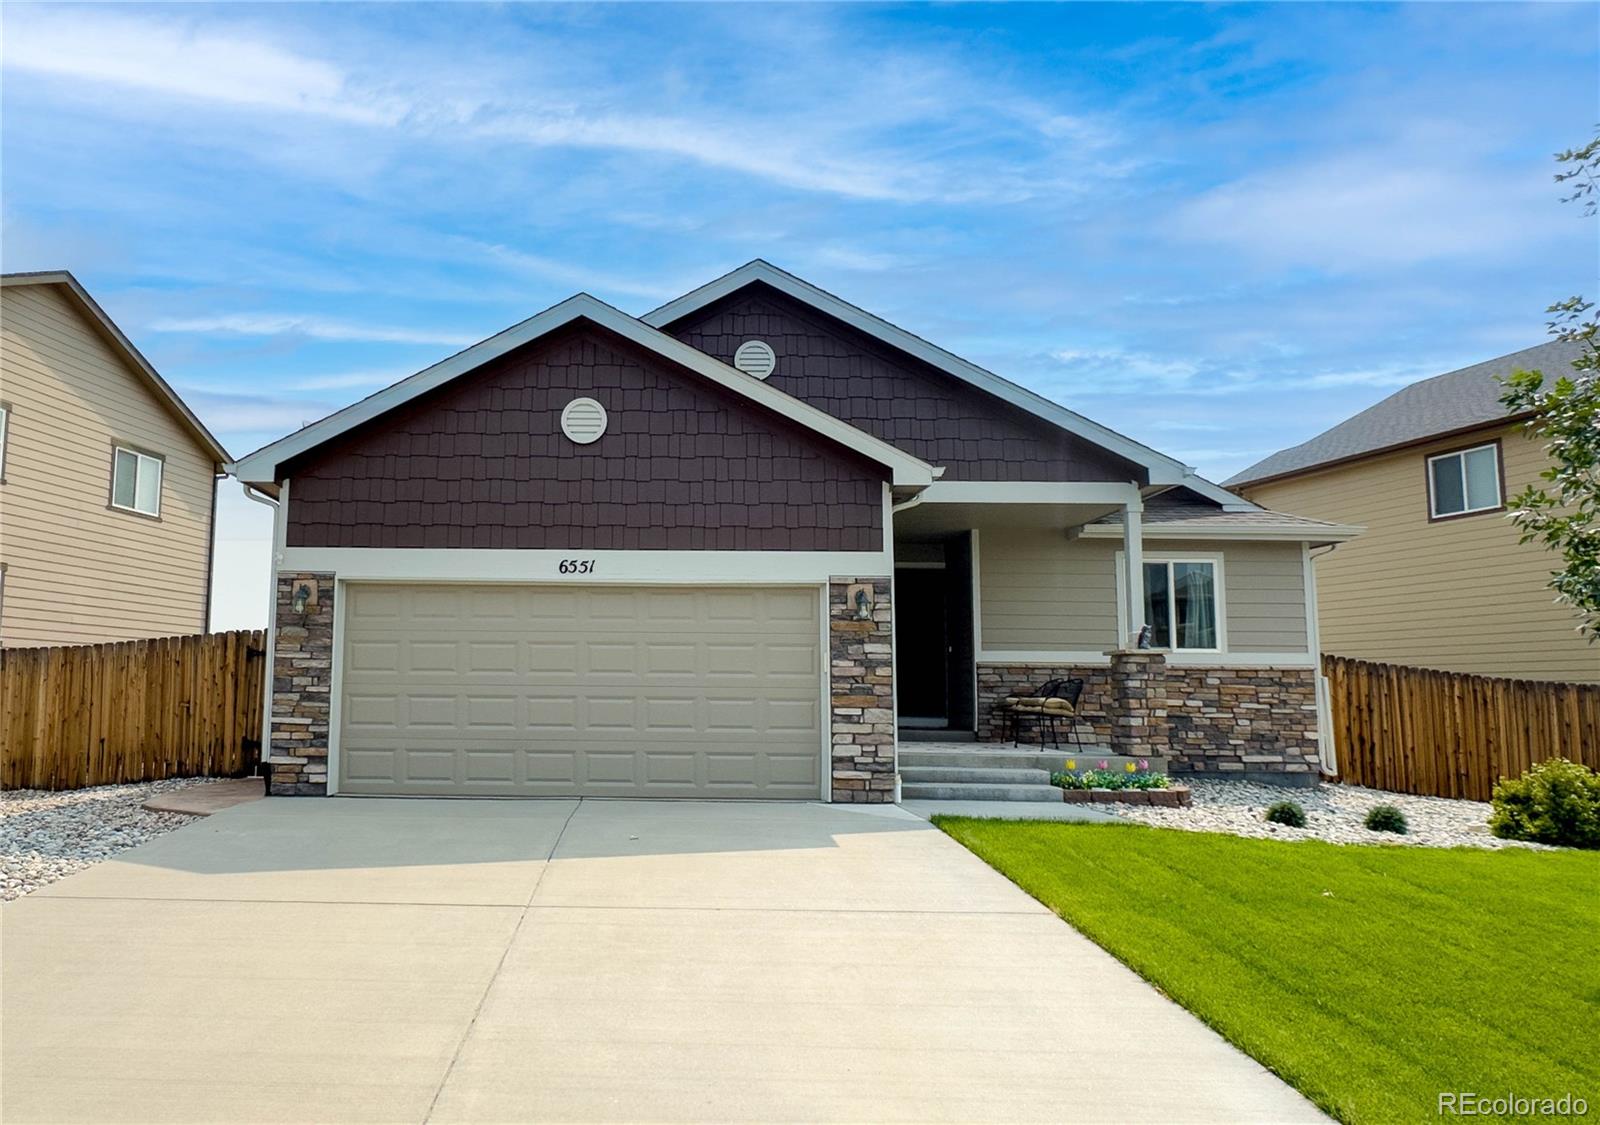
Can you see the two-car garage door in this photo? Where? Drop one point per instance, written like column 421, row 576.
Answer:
column 580, row 691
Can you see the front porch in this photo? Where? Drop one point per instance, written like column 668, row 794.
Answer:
column 1001, row 588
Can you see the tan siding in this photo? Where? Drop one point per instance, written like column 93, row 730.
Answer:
column 76, row 571
column 1461, row 595
column 1042, row 592
column 1264, row 586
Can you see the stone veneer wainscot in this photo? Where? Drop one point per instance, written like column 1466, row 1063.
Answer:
column 1254, row 723
column 302, row 682
column 861, row 689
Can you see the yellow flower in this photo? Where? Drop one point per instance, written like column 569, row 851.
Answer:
column 1131, row 768
column 1072, row 763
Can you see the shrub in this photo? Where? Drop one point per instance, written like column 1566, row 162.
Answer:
column 1556, row 802
column 1387, row 818
column 1287, row 812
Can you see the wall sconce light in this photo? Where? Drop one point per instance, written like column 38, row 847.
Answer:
column 1144, row 637
column 302, row 595
column 862, row 596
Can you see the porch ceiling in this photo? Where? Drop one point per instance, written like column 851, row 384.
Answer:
column 934, row 519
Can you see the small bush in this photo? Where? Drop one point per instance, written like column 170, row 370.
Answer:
column 1287, row 812
column 1556, row 802
column 1387, row 818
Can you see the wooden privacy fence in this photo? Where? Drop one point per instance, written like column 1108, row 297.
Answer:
column 134, row 711
column 1444, row 734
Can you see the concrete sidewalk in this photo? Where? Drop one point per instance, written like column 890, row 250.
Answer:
column 406, row 960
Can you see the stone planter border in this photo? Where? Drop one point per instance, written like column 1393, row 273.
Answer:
column 1172, row 797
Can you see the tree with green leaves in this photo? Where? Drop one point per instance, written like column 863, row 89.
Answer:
column 1564, row 512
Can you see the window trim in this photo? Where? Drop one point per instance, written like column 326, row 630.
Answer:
column 1461, row 451
column 111, row 484
column 5, row 436
column 1219, row 578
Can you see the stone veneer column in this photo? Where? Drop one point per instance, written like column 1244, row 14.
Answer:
column 302, row 684
column 1139, row 704
column 861, row 703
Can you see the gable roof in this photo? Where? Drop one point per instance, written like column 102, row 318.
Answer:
column 1163, row 470
column 1433, row 408
column 107, row 329
column 261, row 467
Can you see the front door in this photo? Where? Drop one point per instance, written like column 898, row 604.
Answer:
column 922, row 646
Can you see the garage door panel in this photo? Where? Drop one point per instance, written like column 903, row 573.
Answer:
column 559, row 657
column 559, row 713
column 432, row 711
column 562, row 691
column 611, row 658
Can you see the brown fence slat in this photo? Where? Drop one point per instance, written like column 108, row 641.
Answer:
column 1445, row 734
column 135, row 711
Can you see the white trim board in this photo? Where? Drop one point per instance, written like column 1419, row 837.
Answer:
column 1161, row 468
column 1329, row 533
column 631, row 568
column 1183, row 658
column 1031, row 492
column 261, row 467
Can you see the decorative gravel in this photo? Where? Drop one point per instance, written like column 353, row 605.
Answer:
column 1333, row 812
column 45, row 835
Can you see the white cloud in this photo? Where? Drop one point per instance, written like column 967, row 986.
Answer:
column 310, row 327
column 181, row 60
column 883, row 126
column 1379, row 208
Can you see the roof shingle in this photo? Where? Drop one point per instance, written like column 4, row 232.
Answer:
column 1444, row 404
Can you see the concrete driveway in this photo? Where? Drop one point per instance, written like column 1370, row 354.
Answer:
column 408, row 960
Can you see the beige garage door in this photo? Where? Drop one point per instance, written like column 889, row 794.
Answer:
column 580, row 691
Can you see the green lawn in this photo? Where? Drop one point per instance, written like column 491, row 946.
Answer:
column 1371, row 978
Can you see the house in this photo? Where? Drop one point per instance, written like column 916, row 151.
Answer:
column 738, row 547
column 1439, row 578
column 107, row 480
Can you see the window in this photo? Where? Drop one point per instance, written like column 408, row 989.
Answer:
column 1180, row 604
column 1465, row 481
column 135, row 481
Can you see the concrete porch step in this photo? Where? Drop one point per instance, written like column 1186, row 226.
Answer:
column 1004, row 758
column 932, row 734
column 919, row 775
column 978, row 791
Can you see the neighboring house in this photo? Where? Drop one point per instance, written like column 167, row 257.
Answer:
column 1438, row 579
column 731, row 548
column 107, row 480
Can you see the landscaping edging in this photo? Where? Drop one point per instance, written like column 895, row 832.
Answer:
column 1172, row 797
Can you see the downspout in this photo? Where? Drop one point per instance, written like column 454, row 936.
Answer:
column 1327, row 751
column 211, row 553
column 252, row 493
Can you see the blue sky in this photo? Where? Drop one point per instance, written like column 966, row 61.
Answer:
column 1217, row 229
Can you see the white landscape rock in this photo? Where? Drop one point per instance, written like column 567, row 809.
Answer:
column 45, row 836
column 1334, row 813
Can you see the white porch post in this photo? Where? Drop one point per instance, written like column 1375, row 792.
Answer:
column 1133, row 580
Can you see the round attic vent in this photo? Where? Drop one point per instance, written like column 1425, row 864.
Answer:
column 583, row 420
column 755, row 357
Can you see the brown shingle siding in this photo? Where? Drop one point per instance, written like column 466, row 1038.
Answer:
column 896, row 397
column 682, row 466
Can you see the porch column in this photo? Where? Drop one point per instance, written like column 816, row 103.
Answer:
column 1133, row 579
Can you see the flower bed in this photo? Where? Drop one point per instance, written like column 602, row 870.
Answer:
column 1134, row 784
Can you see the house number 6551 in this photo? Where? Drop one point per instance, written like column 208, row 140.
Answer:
column 576, row 566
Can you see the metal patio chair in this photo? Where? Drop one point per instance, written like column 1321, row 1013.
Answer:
column 1056, row 702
